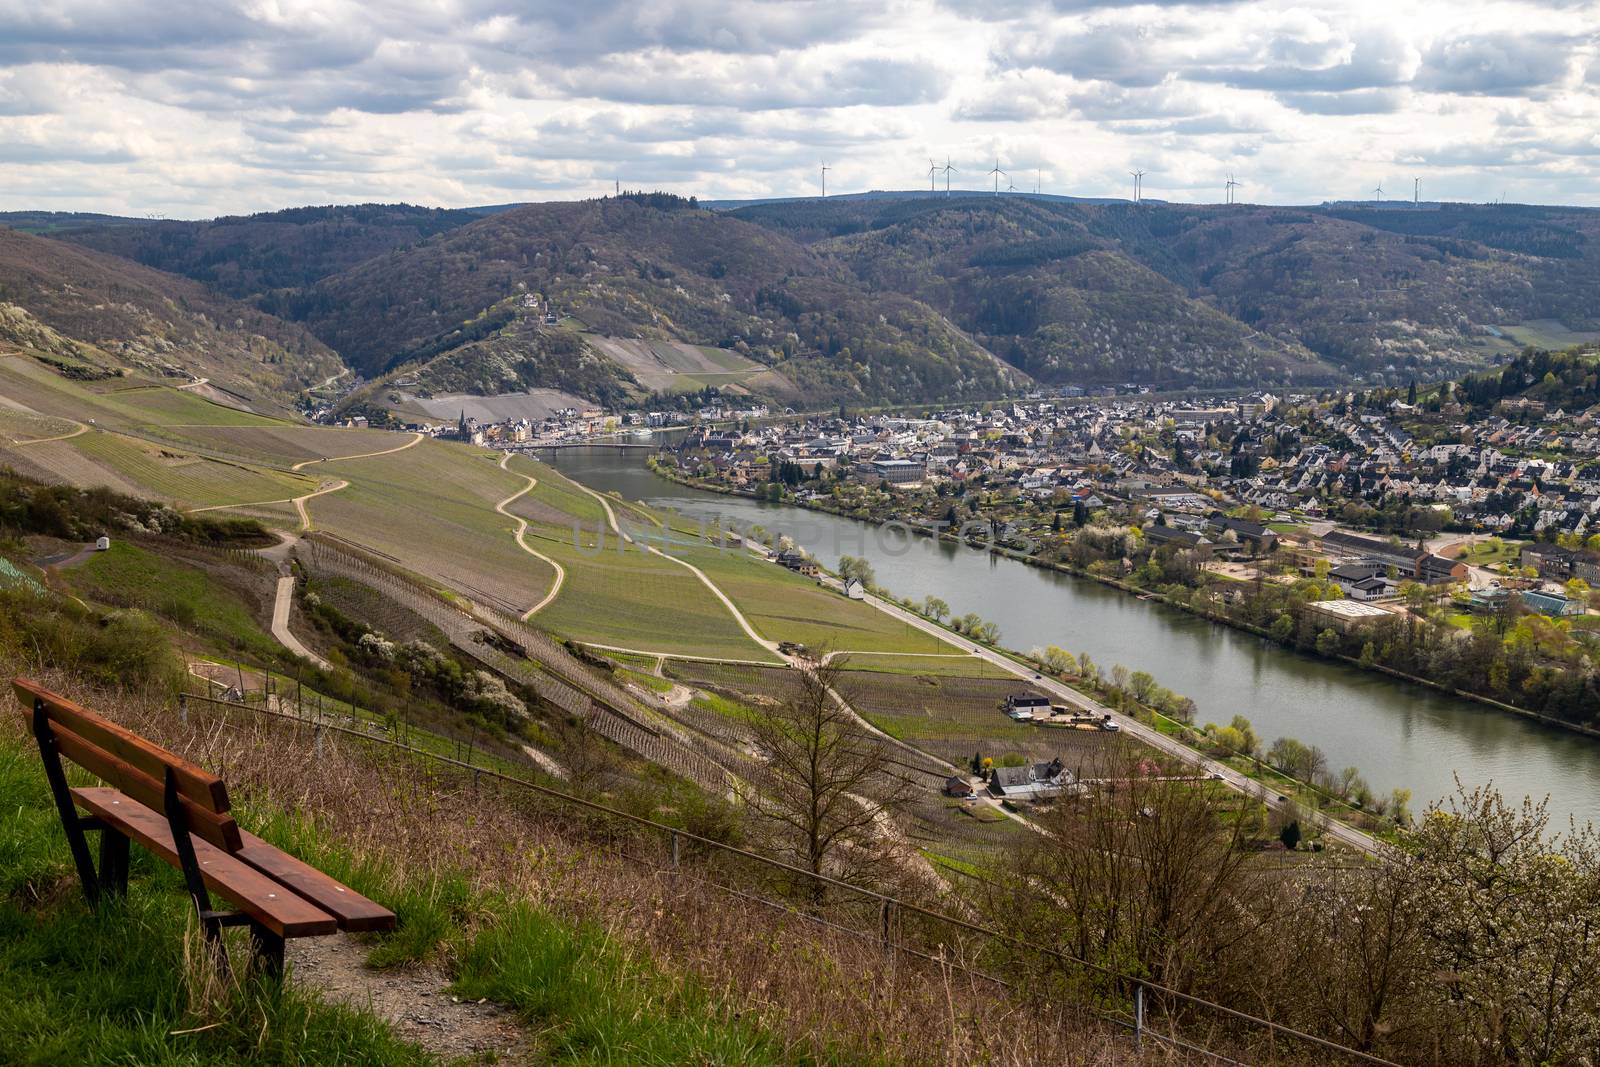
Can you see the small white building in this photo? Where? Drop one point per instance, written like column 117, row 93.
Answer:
column 102, row 543
column 855, row 590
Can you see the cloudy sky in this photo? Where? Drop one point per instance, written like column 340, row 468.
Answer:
column 195, row 109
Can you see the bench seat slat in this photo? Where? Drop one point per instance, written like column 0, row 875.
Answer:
column 276, row 907
column 205, row 825
column 353, row 911
column 206, row 790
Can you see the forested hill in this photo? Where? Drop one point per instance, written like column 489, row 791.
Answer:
column 247, row 256
column 1206, row 294
column 650, row 267
column 90, row 314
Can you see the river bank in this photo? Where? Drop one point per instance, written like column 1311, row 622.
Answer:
column 1152, row 595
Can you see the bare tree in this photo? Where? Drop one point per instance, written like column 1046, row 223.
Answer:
column 1142, row 874
column 831, row 788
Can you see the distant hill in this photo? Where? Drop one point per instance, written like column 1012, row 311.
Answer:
column 249, row 256
column 1207, row 295
column 650, row 267
column 90, row 314
column 885, row 296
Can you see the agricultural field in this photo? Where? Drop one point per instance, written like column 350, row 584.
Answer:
column 60, row 462
column 784, row 606
column 432, row 508
column 617, row 594
column 17, row 425
column 361, row 602
column 770, row 683
column 185, row 478
column 957, row 665
column 283, row 444
column 1547, row 333
column 953, row 717
column 118, row 403
column 678, row 367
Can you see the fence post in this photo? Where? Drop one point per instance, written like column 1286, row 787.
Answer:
column 674, row 845
column 183, row 708
column 1138, row 1015
column 886, row 923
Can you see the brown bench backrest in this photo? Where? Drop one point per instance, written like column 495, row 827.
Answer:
column 122, row 759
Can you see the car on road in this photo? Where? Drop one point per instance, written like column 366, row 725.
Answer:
column 1282, row 799
column 1216, row 776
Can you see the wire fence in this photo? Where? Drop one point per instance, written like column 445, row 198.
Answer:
column 1151, row 1011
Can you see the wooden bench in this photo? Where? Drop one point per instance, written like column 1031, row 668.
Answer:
column 180, row 813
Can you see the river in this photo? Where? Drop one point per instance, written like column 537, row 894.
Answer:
column 1398, row 735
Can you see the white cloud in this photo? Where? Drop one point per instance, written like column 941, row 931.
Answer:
column 195, row 108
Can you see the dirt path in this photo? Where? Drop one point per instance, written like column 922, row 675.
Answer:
column 81, row 429
column 416, row 1002
column 522, row 529
column 416, row 439
column 280, row 624
column 300, row 502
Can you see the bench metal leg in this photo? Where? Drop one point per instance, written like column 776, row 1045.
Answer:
column 113, row 862
column 63, row 798
column 269, row 949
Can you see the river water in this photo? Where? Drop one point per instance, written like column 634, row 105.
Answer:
column 1398, row 735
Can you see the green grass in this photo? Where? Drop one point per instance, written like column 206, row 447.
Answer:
column 648, row 681
column 128, row 575
column 598, row 1004
column 927, row 727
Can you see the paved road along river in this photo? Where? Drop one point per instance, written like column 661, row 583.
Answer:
column 1397, row 734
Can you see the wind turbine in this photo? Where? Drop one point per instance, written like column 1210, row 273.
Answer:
column 997, row 172
column 1379, row 191
column 1232, row 185
column 825, row 170
column 933, row 168
column 1416, row 192
column 1138, row 183
column 948, row 170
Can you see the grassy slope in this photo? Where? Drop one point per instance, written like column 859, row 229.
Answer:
column 108, row 986
column 128, row 574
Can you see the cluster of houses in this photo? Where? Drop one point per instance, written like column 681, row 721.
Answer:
column 1511, row 477
column 1294, row 459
